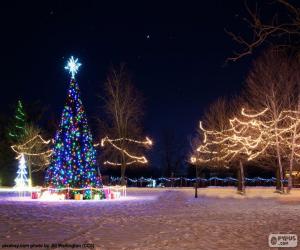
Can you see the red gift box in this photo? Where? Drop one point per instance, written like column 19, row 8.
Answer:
column 107, row 193
column 34, row 195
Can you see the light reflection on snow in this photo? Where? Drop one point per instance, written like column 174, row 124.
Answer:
column 129, row 198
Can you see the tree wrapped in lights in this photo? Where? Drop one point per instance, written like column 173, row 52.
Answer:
column 288, row 133
column 73, row 162
column 266, row 137
column 243, row 140
column 216, row 123
column 207, row 152
column 122, row 128
column 18, row 128
column 273, row 84
column 36, row 150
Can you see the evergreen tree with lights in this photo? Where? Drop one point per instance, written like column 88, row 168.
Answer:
column 73, row 163
column 19, row 121
column 21, row 180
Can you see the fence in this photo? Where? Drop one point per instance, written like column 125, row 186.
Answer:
column 188, row 182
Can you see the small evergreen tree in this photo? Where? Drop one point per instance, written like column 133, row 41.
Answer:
column 18, row 130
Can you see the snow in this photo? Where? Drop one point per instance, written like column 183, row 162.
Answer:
column 154, row 219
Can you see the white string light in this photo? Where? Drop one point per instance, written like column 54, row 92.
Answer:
column 246, row 138
column 134, row 159
column 251, row 135
column 21, row 179
column 25, row 148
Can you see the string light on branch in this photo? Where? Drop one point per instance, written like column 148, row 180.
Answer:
column 26, row 148
column 132, row 158
column 247, row 137
column 147, row 141
column 250, row 136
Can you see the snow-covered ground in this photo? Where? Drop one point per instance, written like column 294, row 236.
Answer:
column 154, row 219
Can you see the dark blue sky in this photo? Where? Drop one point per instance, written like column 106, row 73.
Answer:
column 179, row 67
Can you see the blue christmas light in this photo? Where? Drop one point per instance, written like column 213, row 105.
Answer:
column 73, row 162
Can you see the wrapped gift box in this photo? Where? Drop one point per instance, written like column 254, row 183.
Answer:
column 96, row 196
column 78, row 197
column 35, row 195
column 107, row 193
column 116, row 195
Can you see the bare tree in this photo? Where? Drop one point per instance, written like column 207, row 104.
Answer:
column 244, row 138
column 219, row 145
column 281, row 30
column 271, row 85
column 37, row 151
column 124, row 109
column 216, row 118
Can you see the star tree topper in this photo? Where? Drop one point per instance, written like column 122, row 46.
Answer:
column 73, row 66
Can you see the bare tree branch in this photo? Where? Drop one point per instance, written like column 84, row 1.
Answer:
column 274, row 31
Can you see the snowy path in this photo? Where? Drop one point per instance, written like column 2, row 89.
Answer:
column 155, row 219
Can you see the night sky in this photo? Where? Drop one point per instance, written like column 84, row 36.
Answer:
column 175, row 53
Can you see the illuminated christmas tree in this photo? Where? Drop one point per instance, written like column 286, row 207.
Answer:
column 73, row 161
column 21, row 180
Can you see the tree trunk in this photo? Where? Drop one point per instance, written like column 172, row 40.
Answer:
column 30, row 182
column 279, row 162
column 290, row 182
column 241, row 178
column 196, row 183
column 123, row 168
column 239, row 183
column 280, row 174
column 277, row 179
column 290, row 179
column 172, row 179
